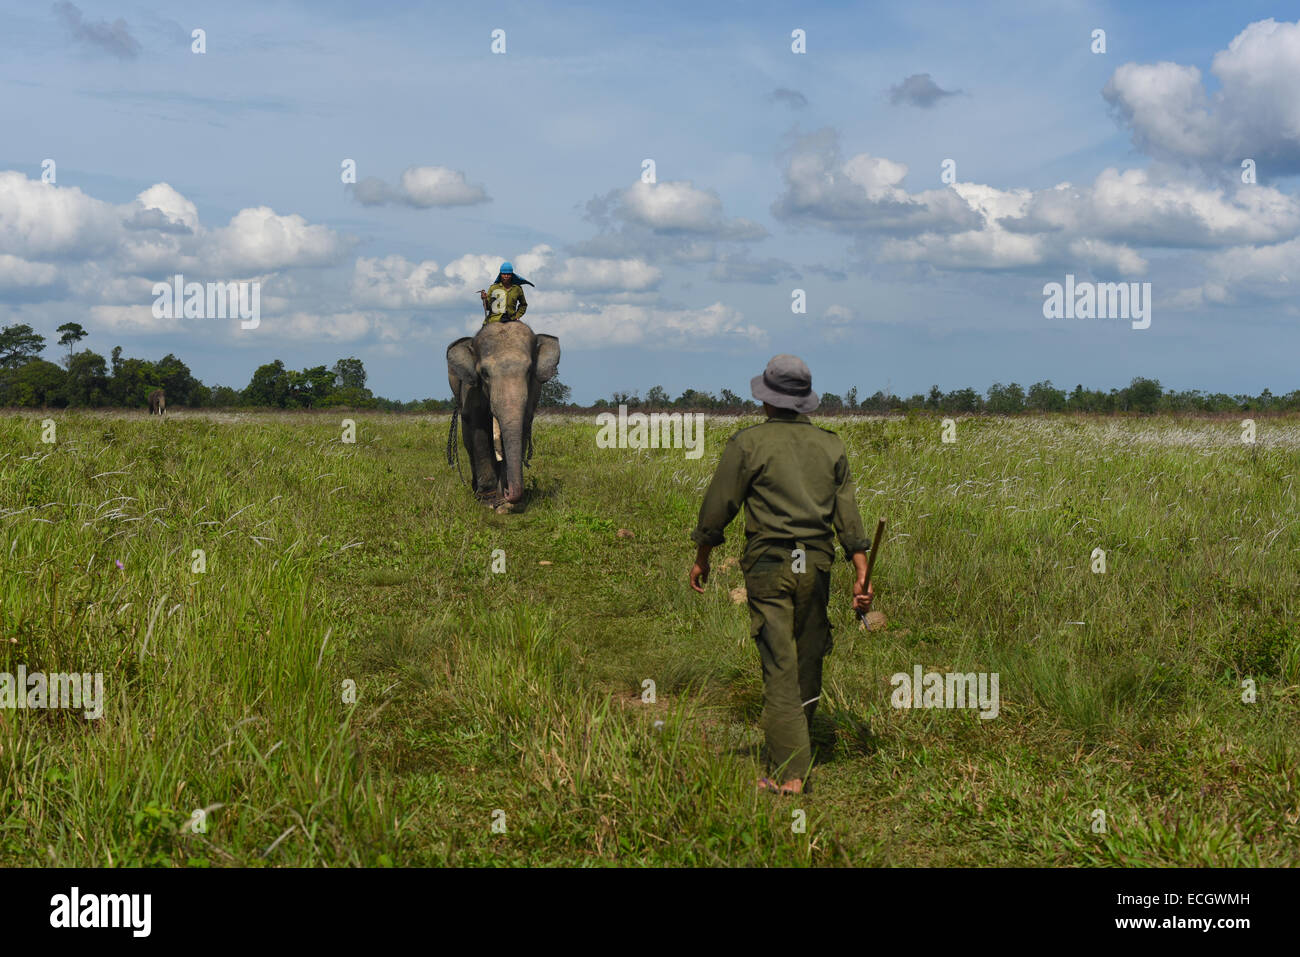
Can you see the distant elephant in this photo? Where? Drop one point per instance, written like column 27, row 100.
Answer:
column 496, row 378
column 157, row 402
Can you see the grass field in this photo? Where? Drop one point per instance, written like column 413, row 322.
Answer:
column 498, row 717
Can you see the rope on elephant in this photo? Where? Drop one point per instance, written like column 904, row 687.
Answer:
column 453, row 452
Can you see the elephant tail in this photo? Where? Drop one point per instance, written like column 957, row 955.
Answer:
column 452, row 457
column 453, row 451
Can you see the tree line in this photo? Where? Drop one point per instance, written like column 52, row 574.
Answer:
column 1140, row 395
column 87, row 379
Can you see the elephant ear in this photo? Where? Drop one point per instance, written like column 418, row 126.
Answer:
column 461, row 361
column 548, row 357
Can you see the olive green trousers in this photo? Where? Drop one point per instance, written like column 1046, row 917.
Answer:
column 787, row 613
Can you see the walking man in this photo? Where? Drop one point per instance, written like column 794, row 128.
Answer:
column 794, row 482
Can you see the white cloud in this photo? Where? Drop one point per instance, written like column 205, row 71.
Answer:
column 45, row 221
column 583, row 273
column 174, row 207
column 259, row 238
column 394, row 282
column 1255, row 113
column 422, row 187
column 16, row 273
column 1128, row 207
column 624, row 324
column 863, row 194
column 668, row 209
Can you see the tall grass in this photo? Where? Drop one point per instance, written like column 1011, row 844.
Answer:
column 499, row 719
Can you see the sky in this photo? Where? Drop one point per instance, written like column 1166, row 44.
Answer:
column 916, row 175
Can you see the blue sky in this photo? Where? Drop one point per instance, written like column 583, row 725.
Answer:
column 775, row 171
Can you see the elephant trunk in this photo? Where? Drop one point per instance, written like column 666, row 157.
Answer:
column 512, row 446
column 510, row 413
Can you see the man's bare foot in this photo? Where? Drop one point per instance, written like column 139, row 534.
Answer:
column 793, row 786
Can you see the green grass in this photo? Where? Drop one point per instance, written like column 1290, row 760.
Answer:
column 520, row 692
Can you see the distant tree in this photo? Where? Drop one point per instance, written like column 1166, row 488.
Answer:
column 554, row 394
column 963, row 400
column 1142, row 395
column 350, row 374
column 1044, row 397
column 694, row 399
column 629, row 399
column 269, row 386
column 132, row 383
column 934, row 400
column 657, row 398
column 223, row 397
column 72, row 334
column 86, row 383
column 19, row 344
column 1006, row 399
column 310, row 387
column 851, row 398
column 729, row 400
column 174, row 378
column 37, row 383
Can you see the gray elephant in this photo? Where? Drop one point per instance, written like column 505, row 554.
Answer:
column 157, row 402
column 496, row 378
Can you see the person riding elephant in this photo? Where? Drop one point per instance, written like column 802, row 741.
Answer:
column 496, row 378
column 504, row 300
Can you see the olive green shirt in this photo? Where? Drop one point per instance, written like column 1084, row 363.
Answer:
column 794, row 481
column 506, row 302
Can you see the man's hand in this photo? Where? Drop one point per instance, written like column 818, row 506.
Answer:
column 700, row 570
column 862, row 592
column 861, row 599
column 482, row 294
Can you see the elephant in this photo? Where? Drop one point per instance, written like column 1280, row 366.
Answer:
column 496, row 378
column 157, row 402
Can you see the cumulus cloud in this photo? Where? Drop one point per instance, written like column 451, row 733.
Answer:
column 672, row 207
column 1255, row 113
column 970, row 226
column 162, row 203
column 625, row 324
column 584, row 273
column 43, row 221
column 19, row 274
column 260, row 238
column 422, row 187
column 862, row 194
column 394, row 282
column 1245, row 274
column 918, row 90
column 114, row 38
column 1128, row 206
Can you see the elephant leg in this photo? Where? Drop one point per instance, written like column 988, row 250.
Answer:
column 476, row 433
